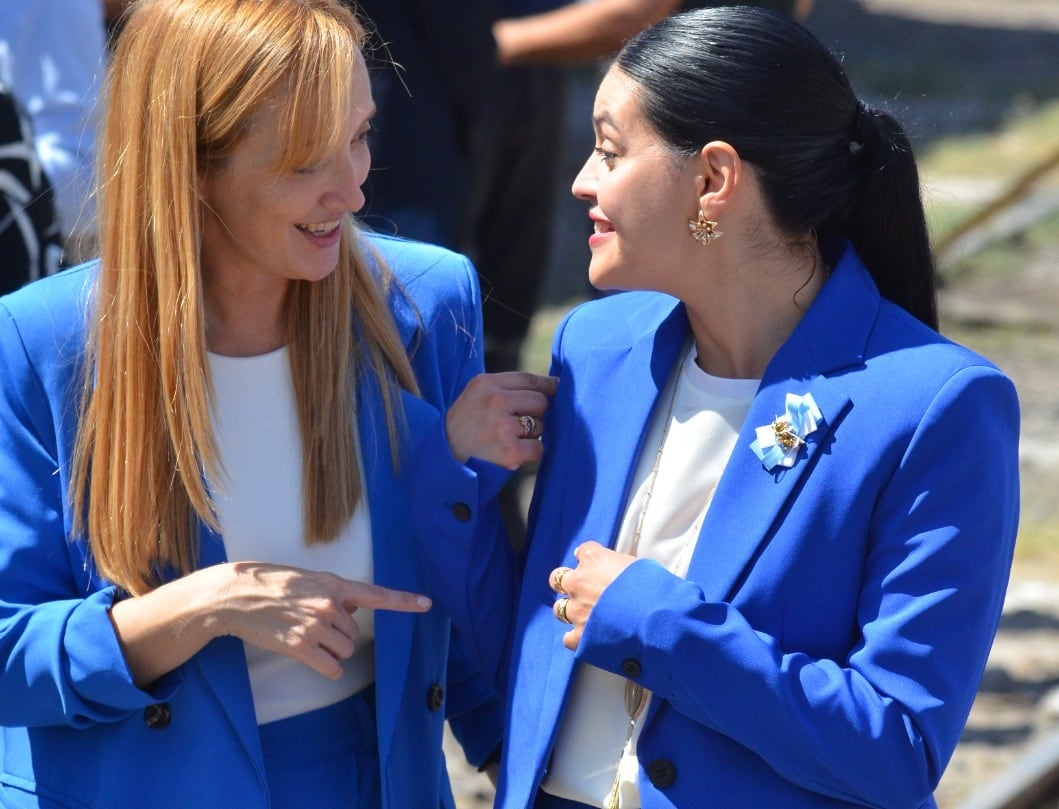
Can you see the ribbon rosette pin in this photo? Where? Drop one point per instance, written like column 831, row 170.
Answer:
column 778, row 443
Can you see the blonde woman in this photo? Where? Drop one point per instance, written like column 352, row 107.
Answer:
column 217, row 409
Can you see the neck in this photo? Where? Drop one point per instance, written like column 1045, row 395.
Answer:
column 741, row 318
column 245, row 323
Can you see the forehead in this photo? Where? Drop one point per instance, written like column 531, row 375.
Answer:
column 617, row 104
column 287, row 132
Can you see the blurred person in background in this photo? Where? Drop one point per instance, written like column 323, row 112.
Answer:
column 590, row 29
column 52, row 57
column 432, row 68
column 29, row 233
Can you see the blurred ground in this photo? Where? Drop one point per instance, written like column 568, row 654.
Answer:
column 945, row 68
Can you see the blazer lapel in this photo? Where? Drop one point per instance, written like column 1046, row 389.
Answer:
column 222, row 663
column 393, row 552
column 617, row 388
column 831, row 336
column 732, row 534
column 617, row 399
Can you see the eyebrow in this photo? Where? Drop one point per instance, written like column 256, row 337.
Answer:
column 603, row 118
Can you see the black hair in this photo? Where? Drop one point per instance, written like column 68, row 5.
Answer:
column 826, row 162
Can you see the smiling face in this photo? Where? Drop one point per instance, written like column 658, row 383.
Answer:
column 641, row 195
column 266, row 226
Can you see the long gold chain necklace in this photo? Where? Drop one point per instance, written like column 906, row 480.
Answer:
column 635, row 694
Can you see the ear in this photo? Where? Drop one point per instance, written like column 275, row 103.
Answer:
column 720, row 175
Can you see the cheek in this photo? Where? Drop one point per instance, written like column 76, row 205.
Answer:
column 362, row 164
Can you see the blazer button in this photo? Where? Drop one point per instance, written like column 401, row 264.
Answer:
column 661, row 773
column 157, row 716
column 462, row 512
column 631, row 668
column 435, row 697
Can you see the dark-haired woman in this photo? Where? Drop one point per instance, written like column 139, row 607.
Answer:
column 775, row 515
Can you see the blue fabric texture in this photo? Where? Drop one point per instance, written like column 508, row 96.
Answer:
column 328, row 757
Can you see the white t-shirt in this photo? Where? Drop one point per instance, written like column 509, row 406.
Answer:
column 708, row 413
column 259, row 499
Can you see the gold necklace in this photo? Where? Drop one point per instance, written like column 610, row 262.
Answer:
column 635, row 694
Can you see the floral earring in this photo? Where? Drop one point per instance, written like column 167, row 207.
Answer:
column 703, row 230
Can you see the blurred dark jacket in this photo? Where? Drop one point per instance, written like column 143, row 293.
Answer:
column 29, row 231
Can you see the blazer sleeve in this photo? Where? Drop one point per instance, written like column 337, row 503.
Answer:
column 60, row 662
column 939, row 542
column 473, row 568
column 475, row 711
column 446, row 355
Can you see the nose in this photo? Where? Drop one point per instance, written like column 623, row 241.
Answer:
column 584, row 186
column 348, row 175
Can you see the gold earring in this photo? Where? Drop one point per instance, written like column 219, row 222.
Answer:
column 703, row 230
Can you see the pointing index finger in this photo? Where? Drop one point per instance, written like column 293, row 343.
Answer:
column 375, row 597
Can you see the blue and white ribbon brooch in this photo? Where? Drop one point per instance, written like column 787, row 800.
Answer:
column 778, row 443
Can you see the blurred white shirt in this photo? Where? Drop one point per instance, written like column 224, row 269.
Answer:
column 52, row 55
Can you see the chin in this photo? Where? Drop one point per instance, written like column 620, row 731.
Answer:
column 319, row 273
column 604, row 281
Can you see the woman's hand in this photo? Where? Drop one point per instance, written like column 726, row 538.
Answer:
column 499, row 417
column 301, row 614
column 581, row 587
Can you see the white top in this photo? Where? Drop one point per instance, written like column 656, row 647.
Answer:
column 708, row 413
column 255, row 420
column 52, row 55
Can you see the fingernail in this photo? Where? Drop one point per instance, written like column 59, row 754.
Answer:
column 423, row 601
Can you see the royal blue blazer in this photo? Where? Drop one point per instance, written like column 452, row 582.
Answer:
column 76, row 731
column 828, row 641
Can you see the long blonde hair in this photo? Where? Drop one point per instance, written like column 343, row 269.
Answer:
column 185, row 82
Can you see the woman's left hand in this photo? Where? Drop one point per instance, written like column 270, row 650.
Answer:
column 581, row 587
column 499, row 417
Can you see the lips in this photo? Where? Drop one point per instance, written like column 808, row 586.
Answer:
column 600, row 225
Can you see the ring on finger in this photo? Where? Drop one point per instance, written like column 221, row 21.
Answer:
column 529, row 425
column 557, row 578
column 560, row 610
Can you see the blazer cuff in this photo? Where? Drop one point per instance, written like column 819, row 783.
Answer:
column 97, row 670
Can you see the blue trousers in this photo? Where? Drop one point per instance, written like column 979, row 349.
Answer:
column 325, row 759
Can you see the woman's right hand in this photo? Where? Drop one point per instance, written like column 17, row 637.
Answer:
column 499, row 417
column 301, row 614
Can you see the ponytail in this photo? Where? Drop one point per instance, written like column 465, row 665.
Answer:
column 887, row 225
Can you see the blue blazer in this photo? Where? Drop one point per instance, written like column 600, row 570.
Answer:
column 74, row 732
column 828, row 641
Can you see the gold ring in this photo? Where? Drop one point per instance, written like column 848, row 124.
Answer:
column 560, row 610
column 529, row 424
column 559, row 573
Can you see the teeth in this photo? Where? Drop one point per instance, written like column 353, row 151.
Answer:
column 320, row 228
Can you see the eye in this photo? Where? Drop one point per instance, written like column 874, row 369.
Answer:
column 604, row 156
column 364, row 133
